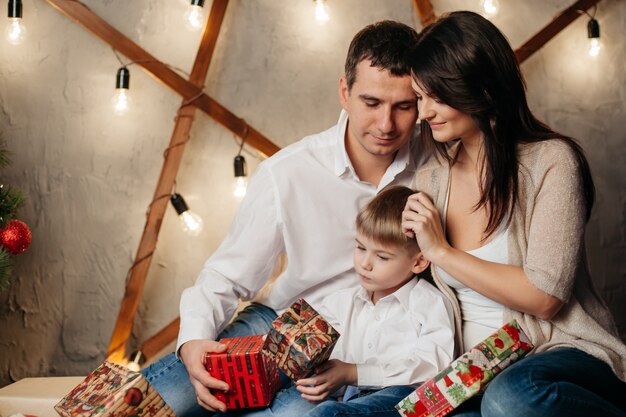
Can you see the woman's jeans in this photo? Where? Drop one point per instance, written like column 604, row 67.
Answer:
column 563, row 382
column 169, row 376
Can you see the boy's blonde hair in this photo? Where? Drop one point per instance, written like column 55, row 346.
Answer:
column 381, row 218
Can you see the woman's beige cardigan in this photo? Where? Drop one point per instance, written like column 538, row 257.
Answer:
column 546, row 238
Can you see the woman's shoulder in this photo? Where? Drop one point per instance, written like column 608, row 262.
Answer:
column 433, row 172
column 554, row 150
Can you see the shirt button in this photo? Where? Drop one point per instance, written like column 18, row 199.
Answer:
column 377, row 317
column 369, row 345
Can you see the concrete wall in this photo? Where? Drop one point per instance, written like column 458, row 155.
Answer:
column 89, row 175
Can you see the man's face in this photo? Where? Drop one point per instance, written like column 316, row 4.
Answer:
column 381, row 110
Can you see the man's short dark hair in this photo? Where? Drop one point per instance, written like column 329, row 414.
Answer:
column 385, row 44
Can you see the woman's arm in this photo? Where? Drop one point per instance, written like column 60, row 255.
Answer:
column 554, row 212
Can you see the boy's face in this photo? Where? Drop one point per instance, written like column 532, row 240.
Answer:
column 382, row 269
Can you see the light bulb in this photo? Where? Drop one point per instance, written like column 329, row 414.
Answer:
column 241, row 184
column 194, row 16
column 321, row 12
column 135, row 361
column 241, row 180
column 593, row 33
column 16, row 31
column 594, row 47
column 191, row 222
column 490, row 7
column 121, row 99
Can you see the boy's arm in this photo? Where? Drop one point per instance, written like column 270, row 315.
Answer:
column 328, row 378
column 433, row 351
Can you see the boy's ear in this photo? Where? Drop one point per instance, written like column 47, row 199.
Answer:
column 420, row 263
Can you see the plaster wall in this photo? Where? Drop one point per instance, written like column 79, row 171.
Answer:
column 90, row 175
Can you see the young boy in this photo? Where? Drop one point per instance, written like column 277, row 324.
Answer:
column 396, row 329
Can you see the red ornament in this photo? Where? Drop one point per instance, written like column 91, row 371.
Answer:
column 133, row 396
column 15, row 237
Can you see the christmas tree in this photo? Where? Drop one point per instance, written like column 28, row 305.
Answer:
column 15, row 236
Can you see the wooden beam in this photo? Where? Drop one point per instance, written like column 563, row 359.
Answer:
column 81, row 14
column 156, row 343
column 424, row 11
column 172, row 159
column 557, row 24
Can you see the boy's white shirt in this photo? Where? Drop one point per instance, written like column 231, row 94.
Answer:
column 405, row 338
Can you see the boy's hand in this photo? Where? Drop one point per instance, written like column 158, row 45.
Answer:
column 328, row 378
column 192, row 355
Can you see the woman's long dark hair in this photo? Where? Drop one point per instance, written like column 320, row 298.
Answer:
column 467, row 63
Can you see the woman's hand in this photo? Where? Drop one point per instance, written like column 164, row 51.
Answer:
column 421, row 220
column 192, row 355
column 328, row 378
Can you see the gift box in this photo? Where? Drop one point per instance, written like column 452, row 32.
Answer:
column 299, row 340
column 113, row 391
column 253, row 378
column 467, row 375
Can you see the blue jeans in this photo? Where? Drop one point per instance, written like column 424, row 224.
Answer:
column 289, row 403
column 561, row 382
column 169, row 376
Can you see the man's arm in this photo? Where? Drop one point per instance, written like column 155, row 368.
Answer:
column 237, row 270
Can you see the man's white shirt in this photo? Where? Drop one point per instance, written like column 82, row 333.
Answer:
column 302, row 201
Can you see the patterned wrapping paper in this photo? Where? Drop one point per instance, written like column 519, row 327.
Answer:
column 113, row 391
column 468, row 374
column 299, row 340
column 253, row 379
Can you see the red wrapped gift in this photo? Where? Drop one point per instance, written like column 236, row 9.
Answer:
column 253, row 379
column 113, row 391
column 468, row 374
column 299, row 340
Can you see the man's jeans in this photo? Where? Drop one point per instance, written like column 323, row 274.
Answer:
column 169, row 376
column 562, row 382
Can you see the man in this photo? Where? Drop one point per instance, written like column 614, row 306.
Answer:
column 301, row 202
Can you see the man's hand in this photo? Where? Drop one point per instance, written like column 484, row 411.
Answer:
column 328, row 378
column 192, row 355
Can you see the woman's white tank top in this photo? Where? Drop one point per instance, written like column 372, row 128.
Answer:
column 481, row 315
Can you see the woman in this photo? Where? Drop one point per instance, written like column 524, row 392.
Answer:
column 502, row 217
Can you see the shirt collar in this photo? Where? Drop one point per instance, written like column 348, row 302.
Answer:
column 402, row 294
column 402, row 161
column 342, row 162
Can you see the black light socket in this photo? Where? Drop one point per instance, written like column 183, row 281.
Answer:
column 15, row 8
column 179, row 203
column 197, row 3
column 593, row 29
column 122, row 80
column 240, row 166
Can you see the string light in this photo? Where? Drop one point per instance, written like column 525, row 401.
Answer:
column 16, row 31
column 490, row 7
column 593, row 33
column 241, row 179
column 121, row 99
column 195, row 15
column 191, row 222
column 136, row 360
column 321, row 12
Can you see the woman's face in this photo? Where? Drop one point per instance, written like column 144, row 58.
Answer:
column 446, row 123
